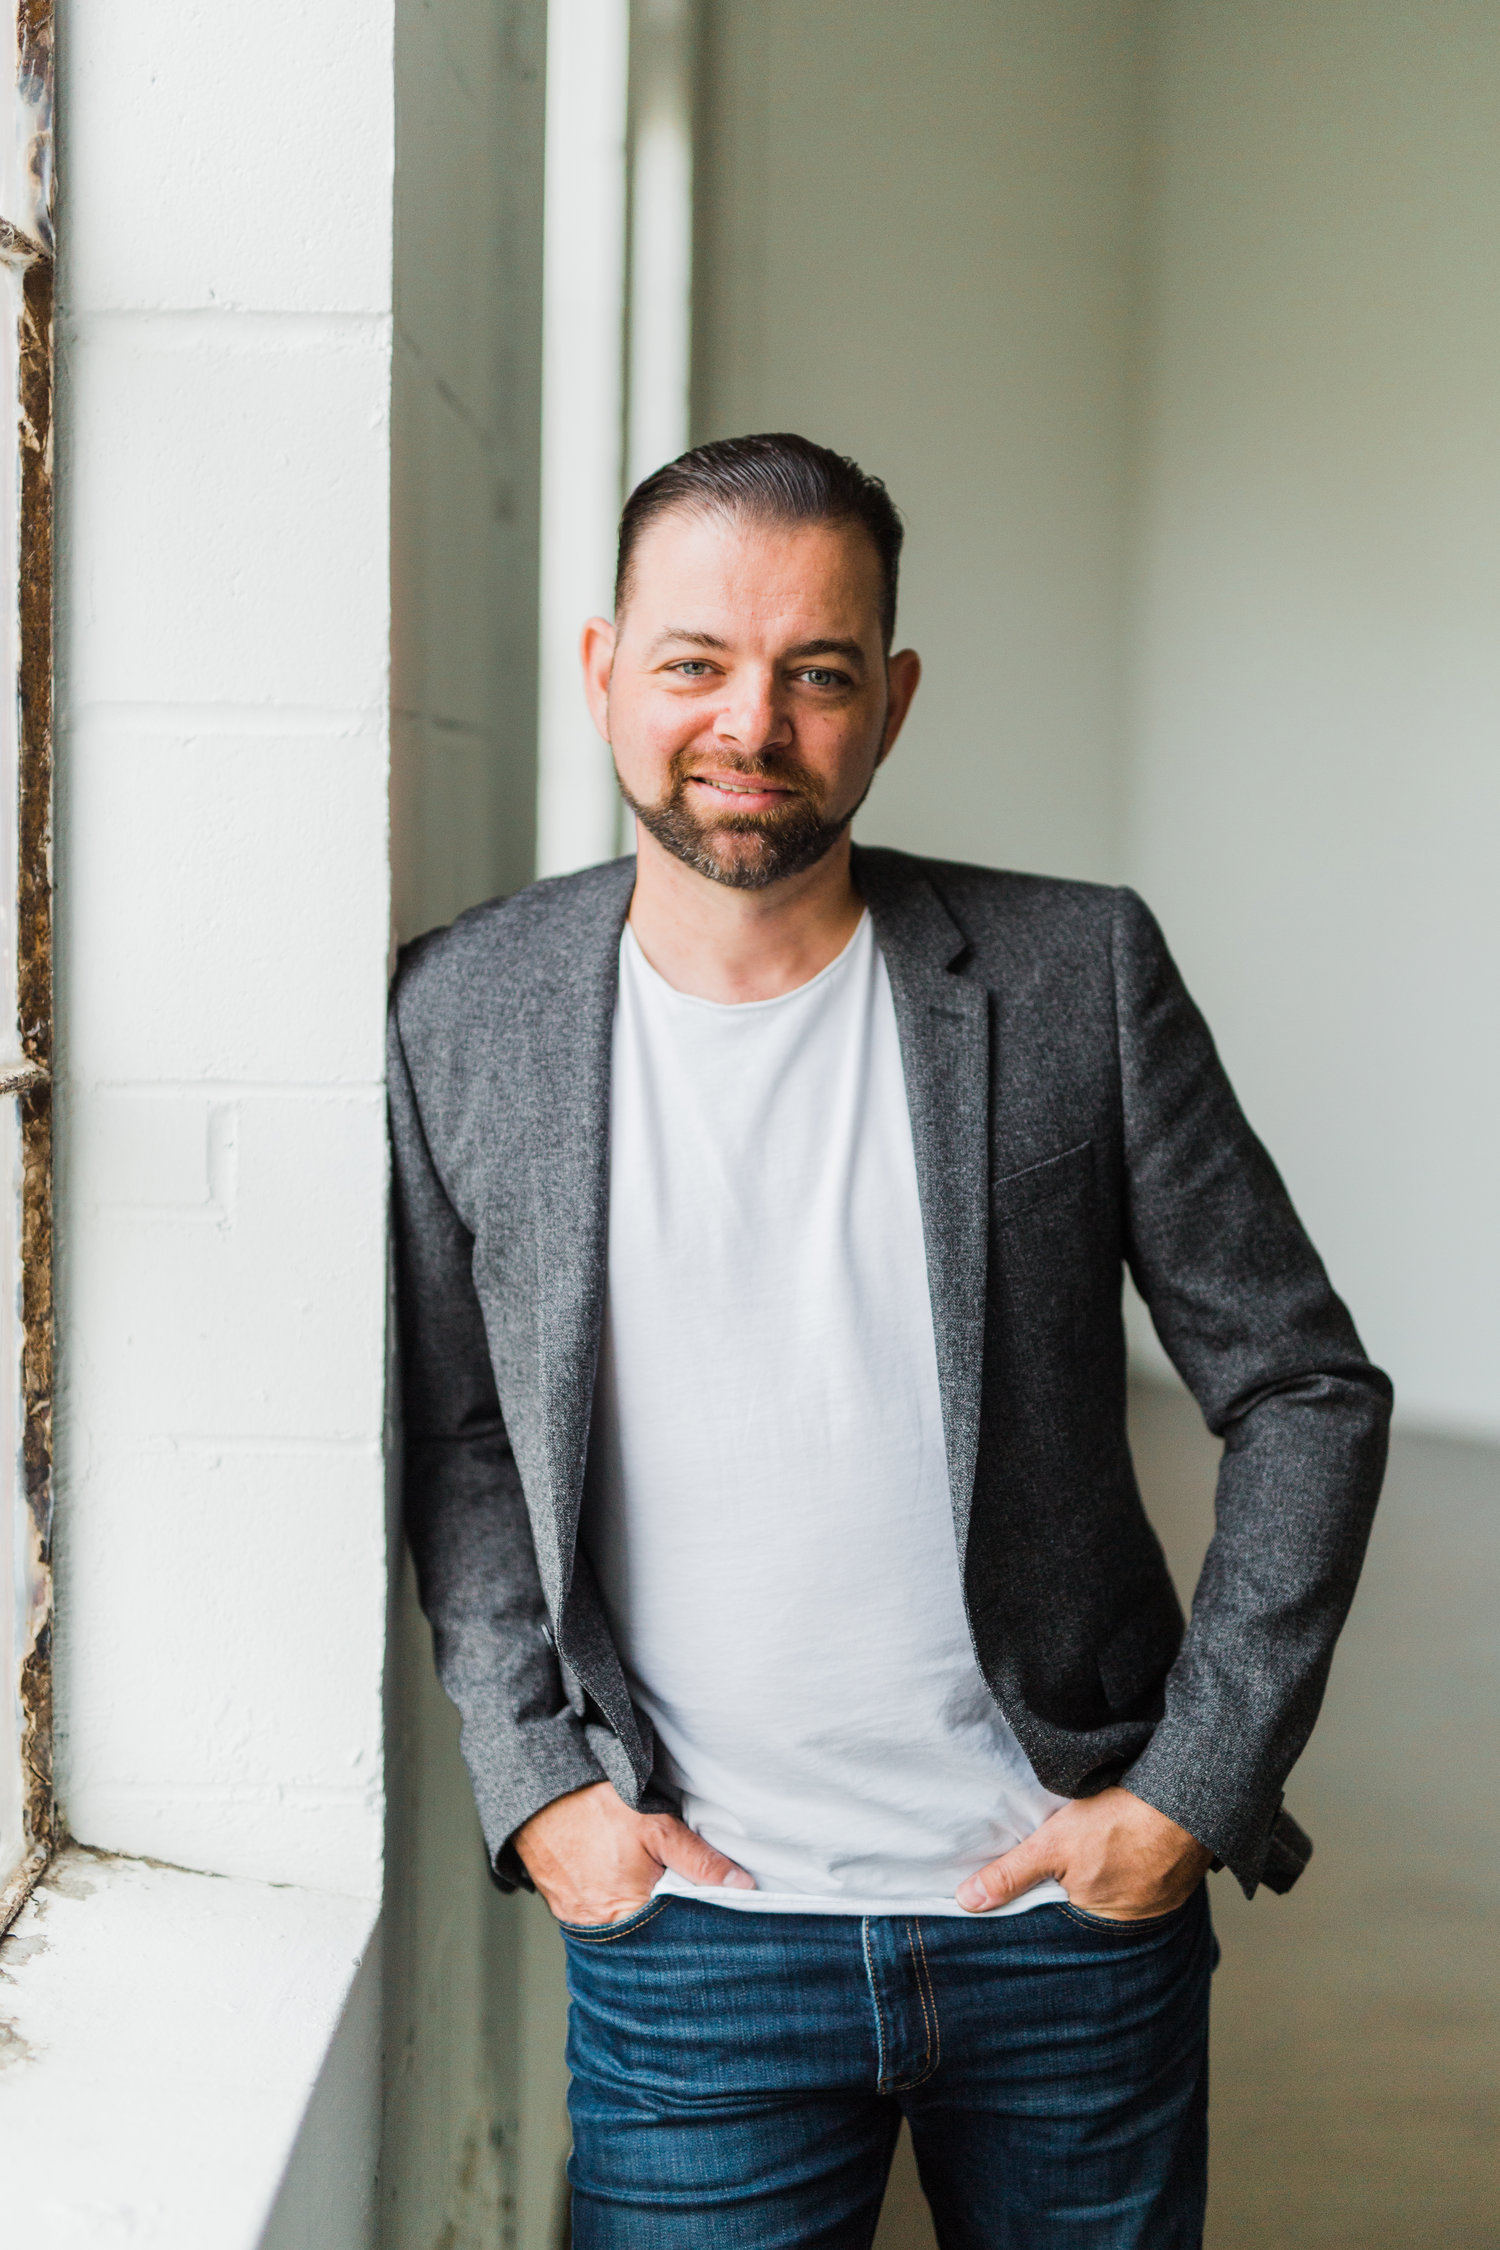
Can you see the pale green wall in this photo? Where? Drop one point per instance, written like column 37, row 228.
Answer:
column 466, row 418
column 915, row 244
column 1315, row 793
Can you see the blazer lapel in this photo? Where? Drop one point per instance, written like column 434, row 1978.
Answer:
column 570, row 1018
column 943, row 1022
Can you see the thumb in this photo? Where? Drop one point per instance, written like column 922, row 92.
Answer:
column 683, row 1850
column 1005, row 1878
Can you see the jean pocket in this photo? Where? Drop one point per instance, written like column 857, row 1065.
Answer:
column 605, row 1933
column 1136, row 1924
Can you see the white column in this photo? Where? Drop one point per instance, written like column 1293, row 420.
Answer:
column 661, row 236
column 583, row 294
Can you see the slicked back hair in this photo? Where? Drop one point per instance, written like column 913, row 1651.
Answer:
column 776, row 478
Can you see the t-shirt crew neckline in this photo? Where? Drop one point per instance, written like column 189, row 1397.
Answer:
column 824, row 976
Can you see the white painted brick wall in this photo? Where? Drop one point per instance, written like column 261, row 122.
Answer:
column 223, row 903
column 228, row 157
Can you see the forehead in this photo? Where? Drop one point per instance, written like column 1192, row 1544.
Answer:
column 734, row 574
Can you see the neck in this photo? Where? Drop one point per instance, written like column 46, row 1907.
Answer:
column 717, row 943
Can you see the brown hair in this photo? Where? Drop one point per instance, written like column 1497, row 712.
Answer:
column 780, row 478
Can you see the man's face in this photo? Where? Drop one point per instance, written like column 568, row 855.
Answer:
column 745, row 690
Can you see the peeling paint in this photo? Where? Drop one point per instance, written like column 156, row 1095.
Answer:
column 17, row 1949
column 68, row 1880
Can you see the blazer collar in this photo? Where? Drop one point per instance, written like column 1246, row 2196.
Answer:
column 943, row 1021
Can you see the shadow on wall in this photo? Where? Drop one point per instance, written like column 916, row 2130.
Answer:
column 476, row 2130
column 1356, row 2050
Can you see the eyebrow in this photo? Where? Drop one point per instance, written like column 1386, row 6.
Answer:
column 685, row 633
column 849, row 650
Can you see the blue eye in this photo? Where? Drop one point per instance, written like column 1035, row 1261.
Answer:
column 819, row 676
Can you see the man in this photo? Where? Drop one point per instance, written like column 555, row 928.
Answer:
column 762, row 1207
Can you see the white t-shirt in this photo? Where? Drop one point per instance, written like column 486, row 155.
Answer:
column 768, row 1507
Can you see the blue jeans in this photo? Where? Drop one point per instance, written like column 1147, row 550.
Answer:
column 739, row 2079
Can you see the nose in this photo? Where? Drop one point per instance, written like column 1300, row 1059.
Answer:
column 752, row 717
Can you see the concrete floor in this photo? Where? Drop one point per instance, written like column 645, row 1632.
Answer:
column 1357, row 2021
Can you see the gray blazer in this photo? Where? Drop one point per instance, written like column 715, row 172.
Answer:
column 1070, row 1117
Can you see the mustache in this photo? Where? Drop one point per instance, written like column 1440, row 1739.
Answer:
column 783, row 769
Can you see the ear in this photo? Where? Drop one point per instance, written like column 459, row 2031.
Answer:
column 903, row 673
column 597, row 650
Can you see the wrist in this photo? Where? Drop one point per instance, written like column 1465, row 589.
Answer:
column 537, row 1838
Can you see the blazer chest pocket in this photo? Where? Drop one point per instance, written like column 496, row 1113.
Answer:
column 1019, row 1192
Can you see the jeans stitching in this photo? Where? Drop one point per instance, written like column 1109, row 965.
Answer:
column 937, row 2029
column 880, row 2040
column 607, row 1936
column 1087, row 1921
column 925, row 1992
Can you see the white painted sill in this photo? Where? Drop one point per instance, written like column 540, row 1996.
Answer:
column 161, row 2036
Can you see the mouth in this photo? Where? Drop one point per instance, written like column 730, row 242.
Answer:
column 740, row 794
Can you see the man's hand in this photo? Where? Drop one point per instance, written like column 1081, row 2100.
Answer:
column 1113, row 1854
column 594, row 1860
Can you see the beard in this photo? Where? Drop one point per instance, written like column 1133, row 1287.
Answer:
column 747, row 851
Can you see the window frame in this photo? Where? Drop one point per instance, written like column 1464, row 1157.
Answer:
column 26, row 250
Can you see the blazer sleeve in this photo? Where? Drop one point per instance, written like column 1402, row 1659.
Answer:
column 466, row 1517
column 1245, row 1310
